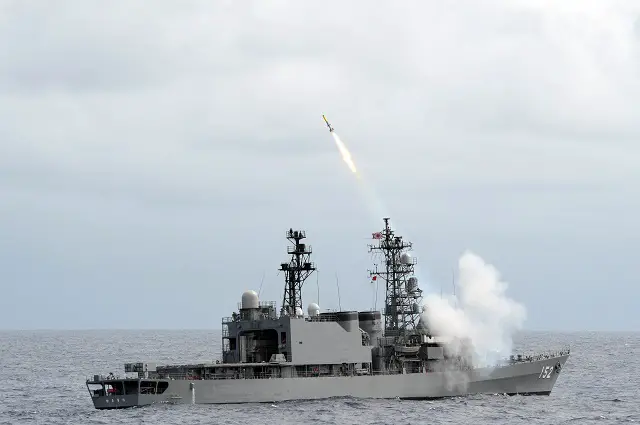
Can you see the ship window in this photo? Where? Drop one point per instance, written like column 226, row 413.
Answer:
column 96, row 390
column 131, row 387
column 147, row 387
column 162, row 386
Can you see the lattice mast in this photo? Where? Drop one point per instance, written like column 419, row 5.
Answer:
column 296, row 271
column 403, row 297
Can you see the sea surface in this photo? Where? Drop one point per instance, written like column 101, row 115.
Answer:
column 42, row 375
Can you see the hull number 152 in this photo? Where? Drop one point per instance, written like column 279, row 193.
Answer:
column 546, row 372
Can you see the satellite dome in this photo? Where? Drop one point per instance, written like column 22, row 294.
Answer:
column 313, row 309
column 299, row 312
column 405, row 258
column 249, row 300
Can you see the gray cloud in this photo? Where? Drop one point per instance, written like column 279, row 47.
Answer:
column 485, row 125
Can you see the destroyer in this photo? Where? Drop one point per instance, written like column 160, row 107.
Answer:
column 270, row 355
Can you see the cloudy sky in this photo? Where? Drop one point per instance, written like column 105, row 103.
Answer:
column 153, row 155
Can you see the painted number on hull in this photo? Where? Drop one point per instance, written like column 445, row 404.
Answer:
column 546, row 372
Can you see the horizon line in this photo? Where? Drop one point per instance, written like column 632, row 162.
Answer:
column 220, row 329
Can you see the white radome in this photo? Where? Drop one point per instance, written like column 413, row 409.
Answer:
column 405, row 258
column 412, row 284
column 250, row 300
column 313, row 309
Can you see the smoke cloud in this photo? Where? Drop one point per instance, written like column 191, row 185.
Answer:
column 482, row 314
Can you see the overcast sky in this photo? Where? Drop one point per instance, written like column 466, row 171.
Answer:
column 152, row 154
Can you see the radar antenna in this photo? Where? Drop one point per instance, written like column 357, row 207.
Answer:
column 296, row 271
column 403, row 297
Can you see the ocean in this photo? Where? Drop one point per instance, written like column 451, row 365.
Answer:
column 42, row 375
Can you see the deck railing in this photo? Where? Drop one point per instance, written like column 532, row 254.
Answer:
column 452, row 365
column 527, row 358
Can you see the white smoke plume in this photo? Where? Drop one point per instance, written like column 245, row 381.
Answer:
column 483, row 314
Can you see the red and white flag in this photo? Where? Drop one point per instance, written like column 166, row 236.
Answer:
column 377, row 235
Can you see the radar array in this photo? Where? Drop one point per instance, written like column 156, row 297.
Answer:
column 296, row 271
column 403, row 304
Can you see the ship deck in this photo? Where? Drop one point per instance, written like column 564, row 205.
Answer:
column 215, row 371
column 520, row 358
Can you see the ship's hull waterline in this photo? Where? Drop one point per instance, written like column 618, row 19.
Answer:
column 525, row 378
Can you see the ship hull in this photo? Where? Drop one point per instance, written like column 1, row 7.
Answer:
column 536, row 377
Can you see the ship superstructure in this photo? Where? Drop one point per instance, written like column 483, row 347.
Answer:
column 274, row 355
column 404, row 333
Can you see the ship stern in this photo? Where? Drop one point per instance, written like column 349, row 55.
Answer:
column 115, row 402
column 115, row 393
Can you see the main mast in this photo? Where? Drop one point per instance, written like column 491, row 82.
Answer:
column 403, row 297
column 296, row 271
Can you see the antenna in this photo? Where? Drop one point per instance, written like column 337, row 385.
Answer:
column 373, row 295
column 375, row 305
column 261, row 282
column 338, row 285
column 318, row 285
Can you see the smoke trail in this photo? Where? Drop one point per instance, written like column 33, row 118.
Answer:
column 486, row 318
column 346, row 155
column 370, row 197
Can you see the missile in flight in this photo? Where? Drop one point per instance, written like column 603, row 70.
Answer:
column 328, row 125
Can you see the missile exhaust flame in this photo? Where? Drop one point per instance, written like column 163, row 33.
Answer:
column 370, row 196
column 346, row 155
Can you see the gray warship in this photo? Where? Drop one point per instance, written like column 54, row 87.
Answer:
column 271, row 356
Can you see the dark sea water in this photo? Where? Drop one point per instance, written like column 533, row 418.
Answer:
column 42, row 377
